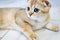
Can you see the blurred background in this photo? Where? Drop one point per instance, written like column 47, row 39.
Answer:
column 13, row 3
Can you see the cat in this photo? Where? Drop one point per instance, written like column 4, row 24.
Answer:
column 35, row 17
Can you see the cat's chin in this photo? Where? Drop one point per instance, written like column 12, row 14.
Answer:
column 33, row 17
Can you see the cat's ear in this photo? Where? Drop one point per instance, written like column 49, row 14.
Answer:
column 47, row 3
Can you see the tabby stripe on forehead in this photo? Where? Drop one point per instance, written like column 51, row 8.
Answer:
column 33, row 2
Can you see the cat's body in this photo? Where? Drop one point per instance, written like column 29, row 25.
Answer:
column 8, row 17
column 35, row 17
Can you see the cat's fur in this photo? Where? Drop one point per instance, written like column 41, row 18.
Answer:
column 17, row 19
column 8, row 17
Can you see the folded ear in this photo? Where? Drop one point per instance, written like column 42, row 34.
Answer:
column 47, row 3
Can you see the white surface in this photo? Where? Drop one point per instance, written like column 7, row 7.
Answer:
column 11, row 35
column 48, row 35
column 43, row 35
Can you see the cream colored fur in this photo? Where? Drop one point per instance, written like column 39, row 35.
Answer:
column 19, row 19
column 8, row 21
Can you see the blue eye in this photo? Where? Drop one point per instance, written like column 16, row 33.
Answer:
column 36, row 10
column 28, row 8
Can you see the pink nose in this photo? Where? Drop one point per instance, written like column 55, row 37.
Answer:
column 31, row 14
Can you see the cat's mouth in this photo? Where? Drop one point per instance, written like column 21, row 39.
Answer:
column 33, row 17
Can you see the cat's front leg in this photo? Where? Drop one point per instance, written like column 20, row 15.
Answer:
column 28, row 30
column 52, row 27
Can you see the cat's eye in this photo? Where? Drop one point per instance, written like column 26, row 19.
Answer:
column 28, row 8
column 36, row 10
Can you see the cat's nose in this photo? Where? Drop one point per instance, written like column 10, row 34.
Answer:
column 31, row 14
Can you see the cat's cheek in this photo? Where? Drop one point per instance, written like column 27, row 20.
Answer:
column 28, row 15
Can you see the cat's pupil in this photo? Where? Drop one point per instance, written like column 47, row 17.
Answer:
column 28, row 8
column 36, row 10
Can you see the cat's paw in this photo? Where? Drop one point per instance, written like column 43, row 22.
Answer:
column 52, row 27
column 56, row 28
column 33, row 36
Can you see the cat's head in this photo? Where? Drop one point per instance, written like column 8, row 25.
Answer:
column 37, row 7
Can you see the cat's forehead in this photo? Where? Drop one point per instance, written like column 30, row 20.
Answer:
column 34, row 2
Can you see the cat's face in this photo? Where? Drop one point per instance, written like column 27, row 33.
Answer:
column 37, row 8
